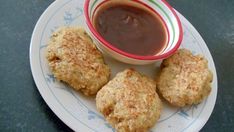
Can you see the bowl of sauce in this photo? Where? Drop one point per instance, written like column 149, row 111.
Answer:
column 134, row 31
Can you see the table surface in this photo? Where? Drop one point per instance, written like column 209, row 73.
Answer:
column 22, row 107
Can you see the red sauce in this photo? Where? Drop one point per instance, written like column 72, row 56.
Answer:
column 131, row 29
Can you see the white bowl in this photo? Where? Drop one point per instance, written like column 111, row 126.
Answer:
column 160, row 8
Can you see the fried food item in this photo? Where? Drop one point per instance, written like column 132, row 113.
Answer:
column 184, row 79
column 74, row 59
column 129, row 102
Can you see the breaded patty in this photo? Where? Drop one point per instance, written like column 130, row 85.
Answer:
column 184, row 79
column 129, row 102
column 74, row 59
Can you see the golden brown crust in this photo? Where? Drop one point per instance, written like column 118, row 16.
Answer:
column 184, row 79
column 74, row 59
column 129, row 102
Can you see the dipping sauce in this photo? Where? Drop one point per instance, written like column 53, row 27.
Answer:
column 131, row 29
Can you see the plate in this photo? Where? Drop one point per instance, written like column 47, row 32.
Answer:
column 78, row 111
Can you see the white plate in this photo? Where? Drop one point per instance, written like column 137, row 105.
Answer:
column 79, row 112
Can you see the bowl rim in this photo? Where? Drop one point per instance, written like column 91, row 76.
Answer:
column 129, row 55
